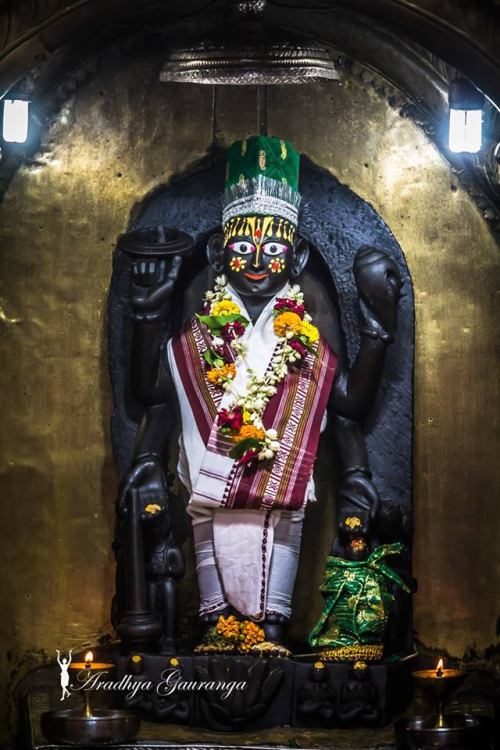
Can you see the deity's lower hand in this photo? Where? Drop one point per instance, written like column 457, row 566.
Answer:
column 379, row 283
column 148, row 476
column 152, row 287
column 357, row 491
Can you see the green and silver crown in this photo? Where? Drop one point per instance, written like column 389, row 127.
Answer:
column 262, row 179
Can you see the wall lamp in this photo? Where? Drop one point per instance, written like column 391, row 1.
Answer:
column 15, row 119
column 466, row 117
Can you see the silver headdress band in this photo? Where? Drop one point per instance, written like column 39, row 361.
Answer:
column 261, row 196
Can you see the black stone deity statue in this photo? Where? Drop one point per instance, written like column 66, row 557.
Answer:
column 254, row 377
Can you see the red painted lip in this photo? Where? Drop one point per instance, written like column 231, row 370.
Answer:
column 256, row 276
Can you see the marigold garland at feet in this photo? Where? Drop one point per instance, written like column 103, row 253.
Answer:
column 231, row 633
column 252, row 635
column 228, row 627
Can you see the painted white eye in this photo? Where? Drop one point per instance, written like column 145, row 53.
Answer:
column 242, row 248
column 274, row 248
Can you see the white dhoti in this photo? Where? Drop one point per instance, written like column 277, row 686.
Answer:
column 242, row 567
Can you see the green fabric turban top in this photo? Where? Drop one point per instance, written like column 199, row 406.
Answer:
column 262, row 178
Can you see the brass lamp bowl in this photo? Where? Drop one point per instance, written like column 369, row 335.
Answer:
column 105, row 725
column 440, row 688
column 463, row 732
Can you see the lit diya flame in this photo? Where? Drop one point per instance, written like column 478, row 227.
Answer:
column 87, row 662
column 440, row 668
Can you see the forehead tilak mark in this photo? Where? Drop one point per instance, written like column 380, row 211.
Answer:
column 265, row 226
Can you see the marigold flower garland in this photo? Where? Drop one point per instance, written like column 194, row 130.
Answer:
column 225, row 324
column 232, row 634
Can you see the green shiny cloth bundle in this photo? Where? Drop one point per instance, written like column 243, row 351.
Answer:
column 262, row 179
column 263, row 155
column 358, row 599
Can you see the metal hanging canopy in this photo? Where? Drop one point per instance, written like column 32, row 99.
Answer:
column 245, row 51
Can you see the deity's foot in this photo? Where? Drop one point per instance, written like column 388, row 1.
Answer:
column 209, row 644
column 210, row 620
column 275, row 627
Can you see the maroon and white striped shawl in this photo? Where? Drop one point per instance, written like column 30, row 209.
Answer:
column 295, row 412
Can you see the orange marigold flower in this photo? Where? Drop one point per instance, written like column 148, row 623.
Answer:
column 228, row 627
column 249, row 431
column 219, row 375
column 287, row 322
column 252, row 635
column 251, row 628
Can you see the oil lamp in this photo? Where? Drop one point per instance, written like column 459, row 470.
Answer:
column 464, row 731
column 440, row 684
column 91, row 725
column 85, row 670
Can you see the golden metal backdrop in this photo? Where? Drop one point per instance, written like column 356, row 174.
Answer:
column 123, row 134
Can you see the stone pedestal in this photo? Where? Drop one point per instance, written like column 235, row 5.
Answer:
column 233, row 693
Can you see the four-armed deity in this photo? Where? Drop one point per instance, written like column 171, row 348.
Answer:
column 255, row 382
